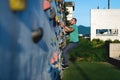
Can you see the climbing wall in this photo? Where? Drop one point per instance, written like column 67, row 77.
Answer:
column 30, row 40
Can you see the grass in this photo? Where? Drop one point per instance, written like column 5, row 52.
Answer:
column 89, row 62
column 91, row 71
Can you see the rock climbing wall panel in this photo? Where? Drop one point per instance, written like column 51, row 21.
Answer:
column 30, row 40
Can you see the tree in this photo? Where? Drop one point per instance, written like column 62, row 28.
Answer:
column 66, row 12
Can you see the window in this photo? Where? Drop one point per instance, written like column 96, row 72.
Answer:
column 106, row 32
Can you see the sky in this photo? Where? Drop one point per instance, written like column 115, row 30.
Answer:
column 83, row 7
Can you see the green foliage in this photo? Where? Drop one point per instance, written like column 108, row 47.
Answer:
column 66, row 12
column 108, row 41
column 67, row 23
column 116, row 41
column 97, row 43
column 95, row 50
column 91, row 71
column 89, row 51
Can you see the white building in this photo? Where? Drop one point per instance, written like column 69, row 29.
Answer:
column 105, row 24
column 70, row 8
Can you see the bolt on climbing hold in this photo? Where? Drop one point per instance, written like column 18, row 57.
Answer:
column 37, row 35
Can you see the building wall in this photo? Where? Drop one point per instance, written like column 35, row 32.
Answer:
column 107, row 19
column 70, row 15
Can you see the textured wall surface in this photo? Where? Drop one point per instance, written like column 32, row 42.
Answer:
column 20, row 57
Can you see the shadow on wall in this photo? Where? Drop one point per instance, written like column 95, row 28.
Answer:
column 114, row 62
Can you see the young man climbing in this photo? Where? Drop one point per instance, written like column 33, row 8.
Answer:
column 74, row 40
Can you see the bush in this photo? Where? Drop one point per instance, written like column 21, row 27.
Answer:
column 116, row 41
column 97, row 43
column 89, row 50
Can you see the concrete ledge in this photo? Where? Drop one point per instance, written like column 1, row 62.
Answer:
column 114, row 50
